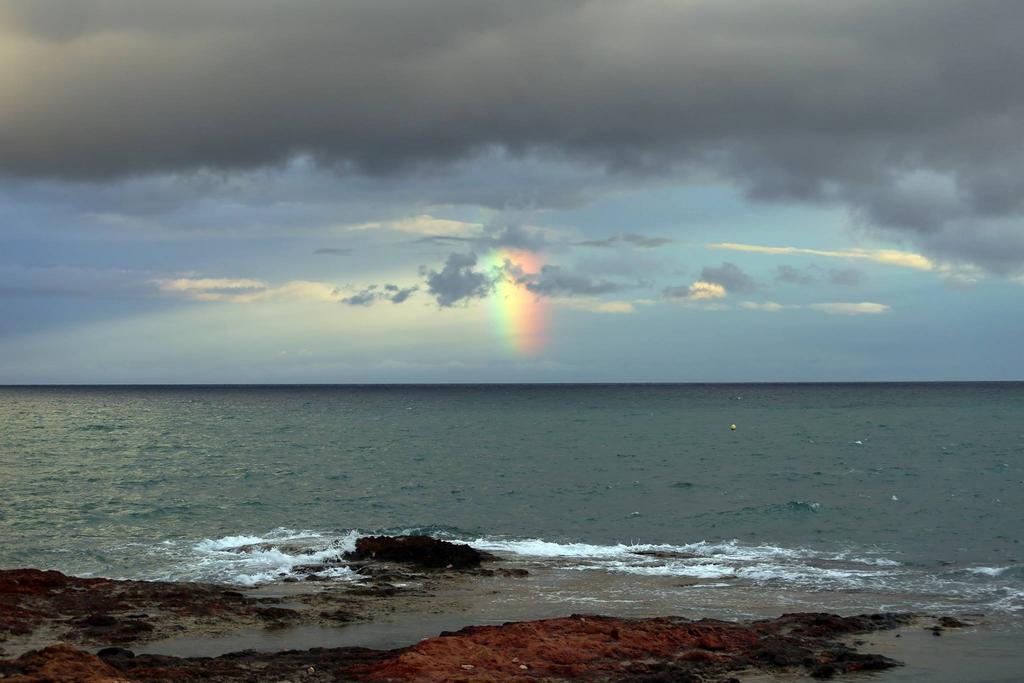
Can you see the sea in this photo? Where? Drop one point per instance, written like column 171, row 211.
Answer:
column 630, row 499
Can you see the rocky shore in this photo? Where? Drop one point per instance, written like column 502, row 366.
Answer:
column 59, row 628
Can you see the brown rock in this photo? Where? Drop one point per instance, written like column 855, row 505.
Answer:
column 606, row 648
column 59, row 663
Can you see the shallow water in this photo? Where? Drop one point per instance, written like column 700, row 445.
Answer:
column 870, row 496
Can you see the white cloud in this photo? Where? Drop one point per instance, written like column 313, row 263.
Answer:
column 769, row 306
column 963, row 275
column 835, row 308
column 425, row 224
column 600, row 306
column 862, row 308
column 892, row 257
column 246, row 290
column 705, row 291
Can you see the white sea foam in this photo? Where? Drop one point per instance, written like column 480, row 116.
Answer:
column 987, row 571
column 730, row 550
column 250, row 560
column 692, row 571
column 722, row 561
column 539, row 548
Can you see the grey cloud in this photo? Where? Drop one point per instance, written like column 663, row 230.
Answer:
column 676, row 292
column 510, row 237
column 645, row 242
column 870, row 104
column 793, row 276
column 553, row 280
column 845, row 276
column 608, row 242
column 332, row 250
column 372, row 294
column 458, row 281
column 729, row 276
column 397, row 295
column 814, row 274
column 641, row 241
column 363, row 298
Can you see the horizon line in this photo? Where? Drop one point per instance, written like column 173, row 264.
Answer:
column 57, row 385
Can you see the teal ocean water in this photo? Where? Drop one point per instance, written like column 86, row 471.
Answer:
column 863, row 495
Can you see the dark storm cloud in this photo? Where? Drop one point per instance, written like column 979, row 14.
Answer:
column 907, row 112
column 458, row 280
column 555, row 280
column 373, row 294
column 729, row 276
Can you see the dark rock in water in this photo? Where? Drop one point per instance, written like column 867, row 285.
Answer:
column 952, row 622
column 666, row 554
column 423, row 551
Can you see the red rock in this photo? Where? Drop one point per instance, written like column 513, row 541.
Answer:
column 59, row 663
column 37, row 581
column 572, row 647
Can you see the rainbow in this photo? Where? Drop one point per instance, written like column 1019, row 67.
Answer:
column 518, row 314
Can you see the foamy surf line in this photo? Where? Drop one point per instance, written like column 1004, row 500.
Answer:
column 286, row 554
column 728, row 560
column 731, row 563
column 252, row 560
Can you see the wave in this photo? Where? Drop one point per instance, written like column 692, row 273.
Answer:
column 726, row 560
column 251, row 560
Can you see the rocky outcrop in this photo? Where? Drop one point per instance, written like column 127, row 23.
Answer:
column 422, row 551
column 116, row 665
column 580, row 647
column 59, row 663
column 662, row 649
column 106, row 612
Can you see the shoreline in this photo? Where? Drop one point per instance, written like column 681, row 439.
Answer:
column 417, row 615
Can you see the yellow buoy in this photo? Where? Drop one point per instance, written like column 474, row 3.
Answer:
column 732, row 427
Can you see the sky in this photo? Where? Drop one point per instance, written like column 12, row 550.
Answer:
column 360, row 191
